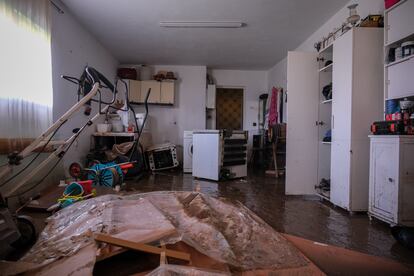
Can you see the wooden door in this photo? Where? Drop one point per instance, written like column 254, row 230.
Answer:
column 229, row 105
column 302, row 130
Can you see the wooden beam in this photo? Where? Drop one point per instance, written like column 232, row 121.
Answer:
column 152, row 237
column 141, row 247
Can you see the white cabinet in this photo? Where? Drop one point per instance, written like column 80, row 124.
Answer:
column 391, row 182
column 399, row 21
column 399, row 28
column 302, row 130
column 357, row 85
column 400, row 80
column 357, row 102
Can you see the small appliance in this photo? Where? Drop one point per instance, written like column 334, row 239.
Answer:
column 162, row 157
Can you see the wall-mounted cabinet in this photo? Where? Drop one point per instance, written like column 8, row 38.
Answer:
column 161, row 92
column 357, row 82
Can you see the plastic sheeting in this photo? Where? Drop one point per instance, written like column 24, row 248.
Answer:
column 228, row 233
column 168, row 270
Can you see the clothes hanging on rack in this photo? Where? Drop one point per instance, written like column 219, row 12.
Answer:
column 273, row 115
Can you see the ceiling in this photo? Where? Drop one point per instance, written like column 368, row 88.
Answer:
column 130, row 29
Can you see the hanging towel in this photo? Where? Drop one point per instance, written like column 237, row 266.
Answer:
column 273, row 108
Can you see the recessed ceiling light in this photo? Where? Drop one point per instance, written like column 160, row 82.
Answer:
column 201, row 24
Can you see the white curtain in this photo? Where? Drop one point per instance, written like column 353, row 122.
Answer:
column 26, row 94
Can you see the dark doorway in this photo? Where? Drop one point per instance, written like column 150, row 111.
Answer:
column 229, row 106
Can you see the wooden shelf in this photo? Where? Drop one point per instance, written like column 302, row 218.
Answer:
column 327, row 68
column 327, row 101
column 399, row 61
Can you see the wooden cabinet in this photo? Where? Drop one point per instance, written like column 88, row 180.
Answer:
column 357, row 82
column 167, row 92
column 134, row 90
column 391, row 182
column 155, row 95
column 161, row 92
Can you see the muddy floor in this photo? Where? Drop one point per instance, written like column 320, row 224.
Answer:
column 307, row 217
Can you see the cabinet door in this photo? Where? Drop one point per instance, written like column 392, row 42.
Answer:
column 155, row 96
column 341, row 120
column 302, row 115
column 400, row 21
column 134, row 91
column 400, row 79
column 384, row 178
column 167, row 92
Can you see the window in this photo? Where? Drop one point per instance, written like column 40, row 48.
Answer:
column 26, row 95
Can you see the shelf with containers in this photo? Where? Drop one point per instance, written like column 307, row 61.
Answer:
column 325, row 66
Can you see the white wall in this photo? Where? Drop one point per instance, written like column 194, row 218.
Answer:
column 167, row 123
column 73, row 48
column 254, row 83
column 277, row 74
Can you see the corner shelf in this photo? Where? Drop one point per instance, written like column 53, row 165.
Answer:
column 327, row 101
column 326, row 143
column 327, row 68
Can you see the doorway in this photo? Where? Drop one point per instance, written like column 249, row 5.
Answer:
column 229, row 108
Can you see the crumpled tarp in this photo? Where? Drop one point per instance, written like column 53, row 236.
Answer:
column 229, row 233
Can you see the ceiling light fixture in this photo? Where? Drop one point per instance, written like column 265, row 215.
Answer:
column 201, row 24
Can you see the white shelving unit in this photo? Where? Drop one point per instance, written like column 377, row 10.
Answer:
column 391, row 181
column 398, row 75
column 324, row 120
column 357, row 85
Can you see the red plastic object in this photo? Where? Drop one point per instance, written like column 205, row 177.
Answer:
column 127, row 166
column 87, row 186
column 390, row 3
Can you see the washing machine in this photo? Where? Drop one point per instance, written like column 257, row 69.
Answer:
column 188, row 152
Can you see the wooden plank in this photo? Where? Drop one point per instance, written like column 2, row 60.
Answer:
column 141, row 247
column 155, row 236
column 335, row 260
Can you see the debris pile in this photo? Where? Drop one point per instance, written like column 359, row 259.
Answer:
column 183, row 226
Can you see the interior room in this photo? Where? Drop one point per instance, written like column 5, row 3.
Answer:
column 207, row 137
